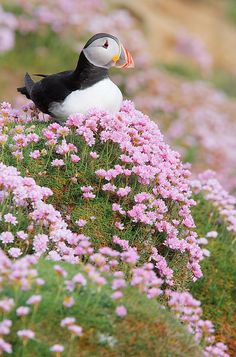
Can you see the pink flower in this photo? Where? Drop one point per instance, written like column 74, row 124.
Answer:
column 5, row 326
column 22, row 311
column 67, row 321
column 22, row 235
column 212, row 234
column 35, row 154
column 9, row 218
column 121, row 311
column 40, row 243
column 63, row 131
column 26, row 334
column 14, row 252
column 122, row 192
column 75, row 329
column 18, row 154
column 74, row 158
column 117, row 208
column 3, row 139
column 68, row 301
column 34, row 300
column 119, row 226
column 79, row 279
column 57, row 163
column 81, row 222
column 117, row 295
column 118, row 284
column 57, row 348
column 5, row 347
column 6, row 237
column 88, row 195
column 86, row 189
column 94, row 155
column 6, row 304
column 60, row 271
column 101, row 173
column 109, row 187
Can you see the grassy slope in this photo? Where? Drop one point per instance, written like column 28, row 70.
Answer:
column 147, row 329
column 217, row 289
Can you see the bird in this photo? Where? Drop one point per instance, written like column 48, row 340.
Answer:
column 87, row 86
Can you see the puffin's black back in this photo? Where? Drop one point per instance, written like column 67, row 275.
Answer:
column 56, row 87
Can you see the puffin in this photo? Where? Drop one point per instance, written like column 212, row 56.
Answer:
column 88, row 86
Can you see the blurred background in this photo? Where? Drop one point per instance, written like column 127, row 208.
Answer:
column 185, row 56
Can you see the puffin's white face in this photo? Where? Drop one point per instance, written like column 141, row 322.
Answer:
column 106, row 51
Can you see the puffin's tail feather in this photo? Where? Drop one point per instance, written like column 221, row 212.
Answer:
column 40, row 75
column 29, row 83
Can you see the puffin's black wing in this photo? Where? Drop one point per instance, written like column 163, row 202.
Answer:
column 52, row 88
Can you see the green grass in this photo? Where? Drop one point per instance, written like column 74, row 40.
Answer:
column 147, row 329
column 217, row 289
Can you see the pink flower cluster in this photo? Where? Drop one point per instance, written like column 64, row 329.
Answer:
column 193, row 47
column 194, row 117
column 188, row 310
column 147, row 187
column 146, row 157
column 213, row 191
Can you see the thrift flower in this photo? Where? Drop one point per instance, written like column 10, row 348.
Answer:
column 57, row 348
column 26, row 334
column 121, row 311
column 57, row 163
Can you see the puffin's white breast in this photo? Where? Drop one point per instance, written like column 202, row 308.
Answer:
column 103, row 95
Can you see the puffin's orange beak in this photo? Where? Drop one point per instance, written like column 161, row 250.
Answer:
column 124, row 60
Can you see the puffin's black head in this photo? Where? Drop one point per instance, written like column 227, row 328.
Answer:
column 104, row 50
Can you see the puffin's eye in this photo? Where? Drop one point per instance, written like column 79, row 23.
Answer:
column 105, row 44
